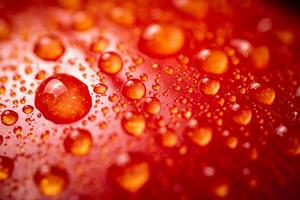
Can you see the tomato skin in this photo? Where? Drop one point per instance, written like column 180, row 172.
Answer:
column 166, row 99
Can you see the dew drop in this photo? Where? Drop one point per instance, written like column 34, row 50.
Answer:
column 5, row 29
column 110, row 62
column 51, row 180
column 221, row 190
column 130, row 175
column 134, row 89
column 122, row 16
column 242, row 116
column 9, row 117
column 63, row 99
column 264, row 95
column 82, row 21
column 27, row 109
column 213, row 61
column 78, row 142
column 100, row 88
column 99, row 44
column 70, row 4
column 195, row 8
column 209, row 87
column 6, row 168
column 199, row 135
column 162, row 39
column 152, row 106
column 49, row 48
column 169, row 139
column 134, row 124
column 260, row 57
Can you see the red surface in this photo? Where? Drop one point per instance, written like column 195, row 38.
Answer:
column 240, row 141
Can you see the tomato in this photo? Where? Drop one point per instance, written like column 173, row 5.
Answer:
column 146, row 99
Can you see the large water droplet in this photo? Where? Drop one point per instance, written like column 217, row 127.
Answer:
column 63, row 99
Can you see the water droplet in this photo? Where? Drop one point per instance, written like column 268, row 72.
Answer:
column 162, row 39
column 134, row 89
column 78, row 142
column 110, row 62
column 5, row 29
column 99, row 44
column 199, row 135
column 260, row 57
column 281, row 130
column 70, row 4
column 195, row 8
column 209, row 87
column 100, row 88
column 213, row 61
column 131, row 175
column 169, row 138
column 134, row 124
column 51, row 180
column 27, row 109
column 49, row 47
column 264, row 95
column 82, row 21
column 122, row 16
column 9, row 117
column 63, row 99
column 241, row 116
column 152, row 105
column 6, row 168
column 221, row 190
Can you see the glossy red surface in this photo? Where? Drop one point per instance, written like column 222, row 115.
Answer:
column 146, row 99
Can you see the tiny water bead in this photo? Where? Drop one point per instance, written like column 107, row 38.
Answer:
column 134, row 124
column 78, row 142
column 213, row 61
column 110, row 62
column 134, row 89
column 49, row 47
column 6, row 168
column 199, row 135
column 209, row 86
column 63, row 99
column 9, row 117
column 51, row 180
column 152, row 105
column 162, row 39
column 131, row 175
